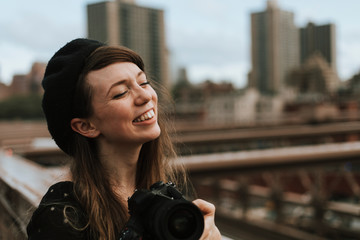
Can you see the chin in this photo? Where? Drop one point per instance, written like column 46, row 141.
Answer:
column 154, row 134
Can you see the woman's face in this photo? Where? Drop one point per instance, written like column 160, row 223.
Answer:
column 124, row 104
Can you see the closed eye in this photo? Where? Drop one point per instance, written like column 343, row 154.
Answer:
column 144, row 83
column 119, row 95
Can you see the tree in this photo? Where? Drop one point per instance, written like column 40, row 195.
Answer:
column 21, row 107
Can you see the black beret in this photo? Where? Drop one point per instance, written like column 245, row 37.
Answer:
column 59, row 83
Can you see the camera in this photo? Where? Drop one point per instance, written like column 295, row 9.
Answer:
column 162, row 213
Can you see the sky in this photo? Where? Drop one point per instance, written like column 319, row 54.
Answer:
column 210, row 38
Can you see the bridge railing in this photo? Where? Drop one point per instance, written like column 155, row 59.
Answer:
column 308, row 192
column 195, row 139
column 22, row 184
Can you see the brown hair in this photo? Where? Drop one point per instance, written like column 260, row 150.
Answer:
column 107, row 214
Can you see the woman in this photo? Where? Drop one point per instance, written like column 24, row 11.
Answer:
column 103, row 112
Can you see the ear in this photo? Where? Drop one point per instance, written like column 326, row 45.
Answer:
column 84, row 127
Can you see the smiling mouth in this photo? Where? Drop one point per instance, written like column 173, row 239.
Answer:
column 146, row 116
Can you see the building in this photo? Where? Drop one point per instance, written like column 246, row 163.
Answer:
column 141, row 29
column 274, row 48
column 20, row 85
column 193, row 102
column 314, row 76
column 4, row 91
column 269, row 110
column 318, row 39
column 237, row 108
column 35, row 77
column 23, row 84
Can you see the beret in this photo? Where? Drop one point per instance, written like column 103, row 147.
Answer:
column 59, row 83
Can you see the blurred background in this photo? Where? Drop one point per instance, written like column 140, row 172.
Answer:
column 266, row 105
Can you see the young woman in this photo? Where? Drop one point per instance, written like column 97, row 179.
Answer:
column 102, row 110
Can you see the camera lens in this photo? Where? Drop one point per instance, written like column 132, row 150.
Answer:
column 182, row 223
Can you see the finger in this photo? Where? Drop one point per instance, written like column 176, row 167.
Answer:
column 205, row 207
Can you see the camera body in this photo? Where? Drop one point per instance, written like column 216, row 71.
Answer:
column 162, row 213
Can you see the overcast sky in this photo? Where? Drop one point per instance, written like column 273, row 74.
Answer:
column 208, row 37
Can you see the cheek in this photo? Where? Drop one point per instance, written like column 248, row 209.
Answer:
column 154, row 96
column 109, row 115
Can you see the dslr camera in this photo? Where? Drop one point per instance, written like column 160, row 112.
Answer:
column 162, row 213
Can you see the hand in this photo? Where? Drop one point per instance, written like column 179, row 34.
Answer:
column 211, row 232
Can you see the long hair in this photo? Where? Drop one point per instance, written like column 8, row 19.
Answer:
column 107, row 215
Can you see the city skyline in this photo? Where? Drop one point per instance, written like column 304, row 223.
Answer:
column 210, row 38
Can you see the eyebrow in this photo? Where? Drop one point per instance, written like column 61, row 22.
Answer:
column 122, row 82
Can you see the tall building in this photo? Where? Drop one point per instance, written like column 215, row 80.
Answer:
column 141, row 29
column 318, row 39
column 274, row 49
column 318, row 70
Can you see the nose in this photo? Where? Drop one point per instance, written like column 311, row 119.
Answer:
column 142, row 96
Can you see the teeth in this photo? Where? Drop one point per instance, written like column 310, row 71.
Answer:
column 148, row 115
